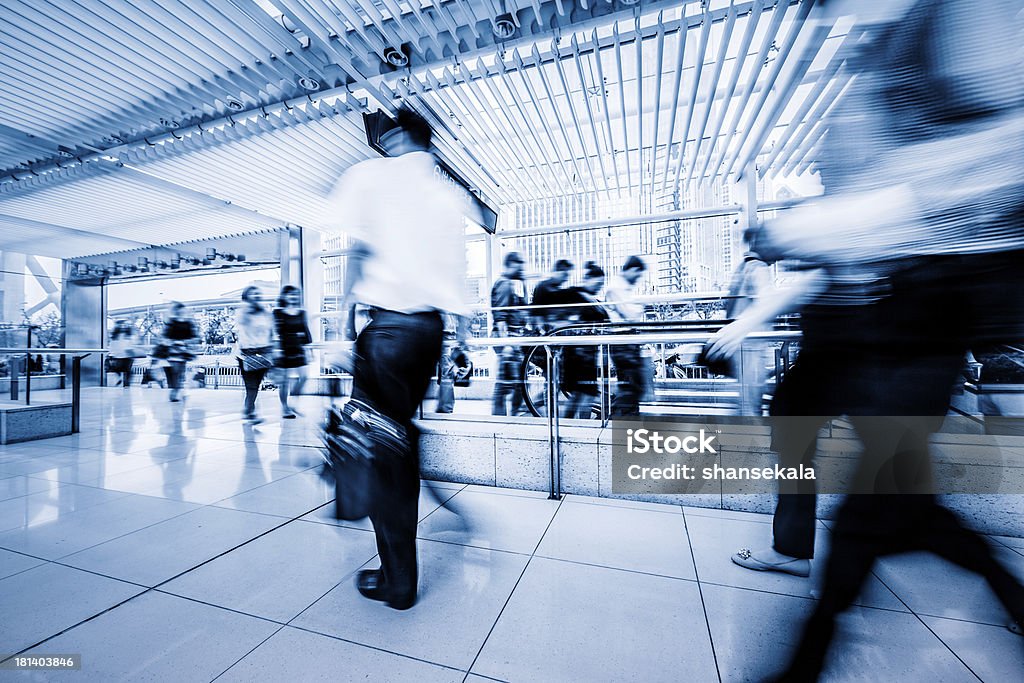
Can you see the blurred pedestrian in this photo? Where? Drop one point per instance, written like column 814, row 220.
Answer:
column 293, row 337
column 254, row 329
column 579, row 363
column 408, row 265
column 924, row 216
column 122, row 351
column 177, row 342
column 548, row 294
column 633, row 370
column 508, row 308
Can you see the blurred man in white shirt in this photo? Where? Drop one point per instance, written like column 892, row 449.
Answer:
column 632, row 369
column 408, row 266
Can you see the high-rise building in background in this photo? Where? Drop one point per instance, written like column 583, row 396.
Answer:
column 608, row 247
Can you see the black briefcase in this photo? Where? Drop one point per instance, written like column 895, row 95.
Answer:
column 357, row 437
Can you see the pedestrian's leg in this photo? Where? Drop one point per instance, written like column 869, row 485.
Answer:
column 855, row 546
column 944, row 535
column 501, row 387
column 284, row 391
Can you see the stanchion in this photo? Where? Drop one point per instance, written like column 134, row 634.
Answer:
column 28, row 379
column 76, row 392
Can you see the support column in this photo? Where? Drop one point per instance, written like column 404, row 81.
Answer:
column 312, row 278
column 84, row 311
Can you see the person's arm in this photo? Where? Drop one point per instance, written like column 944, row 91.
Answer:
column 727, row 341
column 501, row 299
column 353, row 274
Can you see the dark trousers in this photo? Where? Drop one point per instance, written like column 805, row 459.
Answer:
column 634, row 378
column 911, row 366
column 872, row 526
column 175, row 372
column 123, row 366
column 251, row 379
column 395, row 358
column 509, row 383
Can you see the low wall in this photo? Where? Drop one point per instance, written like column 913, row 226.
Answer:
column 484, row 452
column 27, row 423
column 39, row 383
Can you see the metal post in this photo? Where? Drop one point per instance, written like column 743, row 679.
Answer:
column 76, row 392
column 556, row 445
column 549, row 401
column 28, row 377
column 216, row 373
column 15, row 361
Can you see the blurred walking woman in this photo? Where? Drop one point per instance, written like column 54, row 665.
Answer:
column 292, row 337
column 254, row 329
column 179, row 335
column 122, row 351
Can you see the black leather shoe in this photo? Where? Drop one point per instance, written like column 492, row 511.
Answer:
column 370, row 583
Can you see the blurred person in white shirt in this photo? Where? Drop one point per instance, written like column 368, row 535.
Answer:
column 408, row 265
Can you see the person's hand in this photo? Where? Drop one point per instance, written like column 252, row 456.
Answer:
column 725, row 343
column 340, row 355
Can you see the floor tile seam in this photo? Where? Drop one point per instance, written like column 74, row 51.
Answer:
column 323, row 595
column 700, row 592
column 623, row 507
column 506, row 494
column 27, row 569
column 214, row 605
column 187, row 512
column 598, row 565
column 211, row 473
column 77, row 624
column 418, row 522
column 809, row 598
column 128, row 533
column 376, row 648
column 730, row 519
column 253, row 649
column 126, row 494
column 336, row 526
column 497, row 618
column 948, row 647
column 547, row 527
column 475, row 547
column 217, row 505
column 232, row 549
column 487, row 678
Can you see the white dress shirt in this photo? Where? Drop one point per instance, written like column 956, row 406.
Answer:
column 622, row 301
column 412, row 223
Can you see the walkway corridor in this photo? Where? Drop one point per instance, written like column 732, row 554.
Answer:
column 169, row 542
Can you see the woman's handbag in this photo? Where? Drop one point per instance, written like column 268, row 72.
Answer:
column 358, row 438
column 257, row 359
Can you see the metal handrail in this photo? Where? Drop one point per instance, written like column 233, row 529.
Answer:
column 60, row 351
column 552, row 364
column 76, row 375
column 616, row 339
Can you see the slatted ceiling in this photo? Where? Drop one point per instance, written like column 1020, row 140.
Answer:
column 575, row 103
column 99, row 69
column 285, row 173
column 627, row 136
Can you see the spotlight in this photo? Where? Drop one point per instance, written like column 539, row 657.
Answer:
column 504, row 27
column 396, row 58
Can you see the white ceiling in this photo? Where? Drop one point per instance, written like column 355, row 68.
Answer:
column 127, row 123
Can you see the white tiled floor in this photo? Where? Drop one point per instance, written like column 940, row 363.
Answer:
column 169, row 542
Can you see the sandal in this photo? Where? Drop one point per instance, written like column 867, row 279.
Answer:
column 795, row 567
